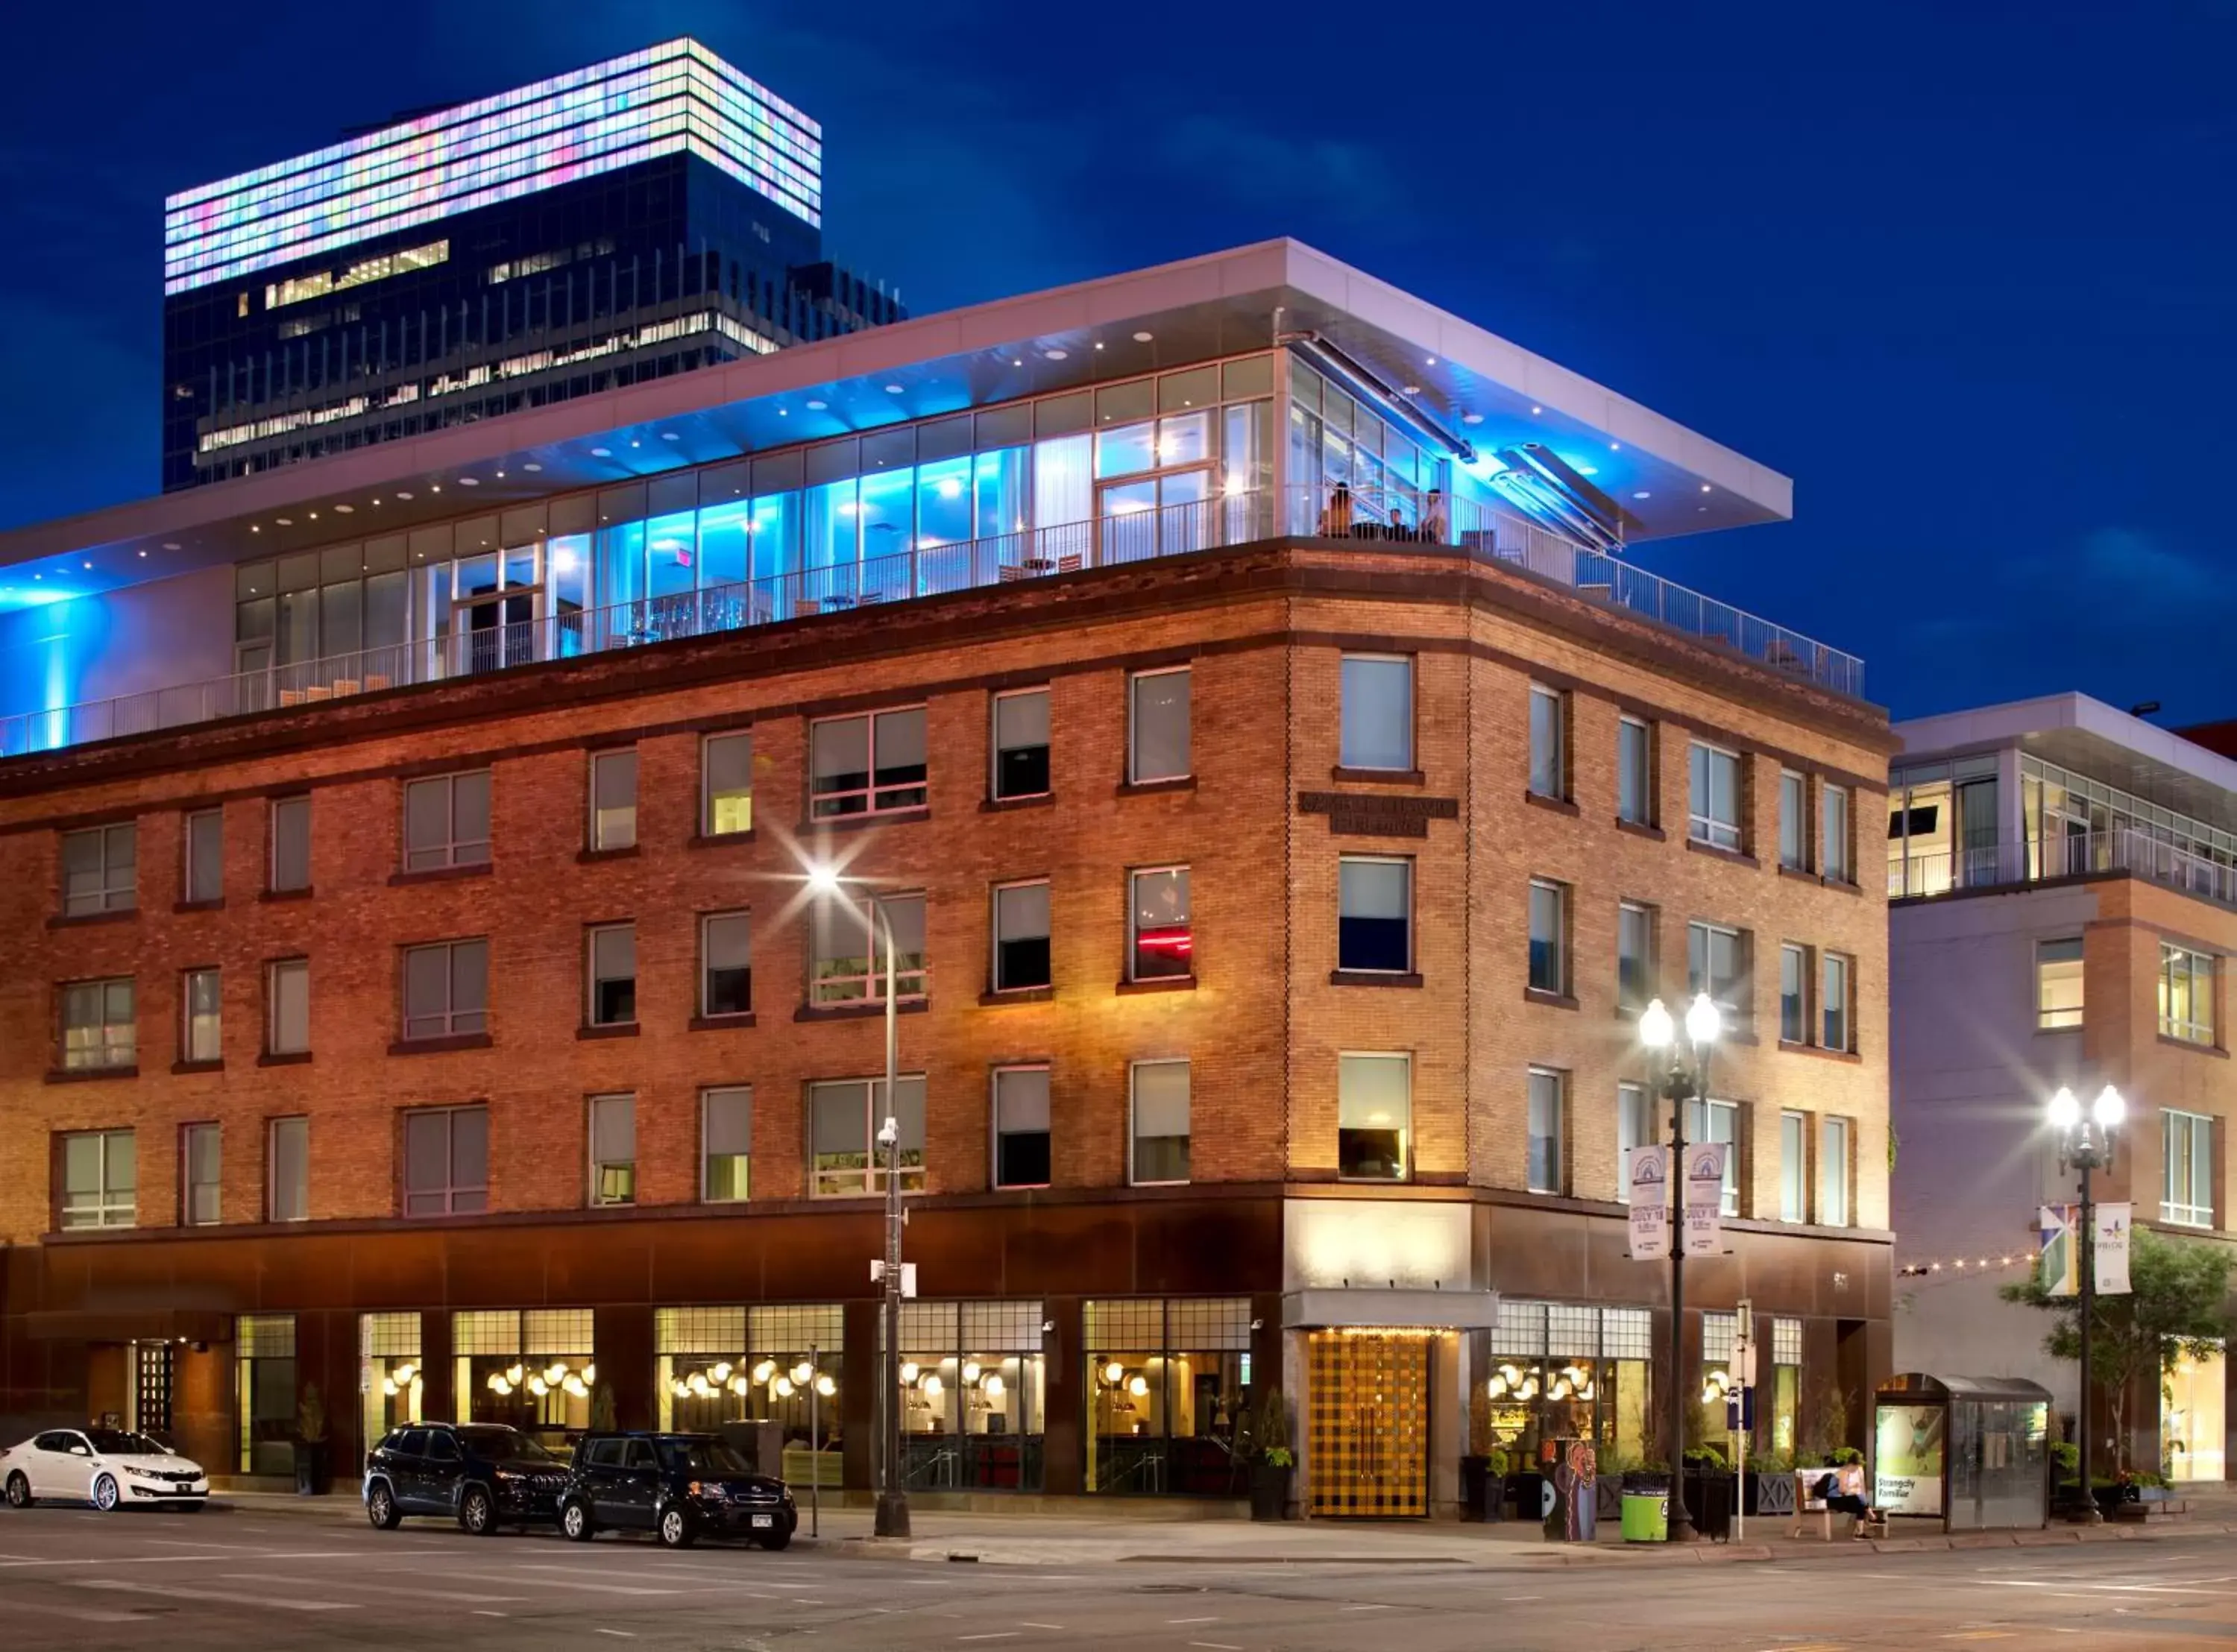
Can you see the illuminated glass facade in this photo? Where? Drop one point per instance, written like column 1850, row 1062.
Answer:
column 644, row 216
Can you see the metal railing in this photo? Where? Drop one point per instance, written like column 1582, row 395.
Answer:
column 2030, row 860
column 928, row 570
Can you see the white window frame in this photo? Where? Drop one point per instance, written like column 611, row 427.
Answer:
column 1831, row 1002
column 846, row 910
column 107, row 1050
column 1703, row 823
column 1837, row 1140
column 1134, row 875
column 711, row 803
column 599, row 1197
column 1560, row 943
column 198, row 821
column 708, row 1095
column 189, row 1050
column 997, row 1130
column 707, row 922
column 995, row 749
column 1134, row 1127
column 1135, row 774
column 1557, row 705
column 826, row 1184
column 1404, row 863
column 1738, row 1013
column 274, row 1128
column 117, row 889
column 1793, row 1166
column 452, row 849
column 1642, row 780
column 1836, row 834
column 113, row 1207
column 1559, row 1084
column 275, row 973
column 451, row 1190
column 2178, row 1204
column 1638, row 1124
column 1649, row 922
column 875, row 798
column 606, row 835
column 1700, row 1121
column 451, row 1015
column 2198, row 968
column 1346, row 754
column 1793, row 955
column 592, row 979
column 295, row 807
column 997, row 981
column 2070, row 1016
column 1405, row 1127
column 189, row 1134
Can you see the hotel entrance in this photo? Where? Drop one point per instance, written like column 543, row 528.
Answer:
column 1368, row 1423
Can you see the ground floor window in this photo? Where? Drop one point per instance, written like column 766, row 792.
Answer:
column 532, row 1368
column 1567, row 1371
column 264, row 1353
column 390, row 1376
column 1786, row 1386
column 2191, row 1419
column 1168, row 1381
column 971, row 1393
column 762, row 1365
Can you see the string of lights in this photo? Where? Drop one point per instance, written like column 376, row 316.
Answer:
column 1968, row 1265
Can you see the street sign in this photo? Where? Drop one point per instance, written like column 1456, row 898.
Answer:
column 908, row 1275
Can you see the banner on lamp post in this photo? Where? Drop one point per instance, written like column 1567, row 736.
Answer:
column 2109, row 1250
column 1705, row 1198
column 1646, row 1175
column 2060, row 1265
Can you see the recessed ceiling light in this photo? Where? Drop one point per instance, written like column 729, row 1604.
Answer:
column 1056, row 355
column 817, row 407
column 469, row 482
column 532, row 466
column 1705, row 487
column 784, row 412
column 1642, row 493
column 1588, row 470
column 346, row 510
column 1412, row 389
column 435, row 488
column 38, row 576
column 285, row 522
column 1471, row 418
column 893, row 390
column 500, row 476
column 1099, row 343
column 1016, row 362
column 1428, row 361
column 170, row 545
column 665, row 435
column 401, row 494
column 254, row 528
column 143, row 552
column 314, row 515
column 596, row 453
column 88, row 567
column 635, row 442
column 1143, row 337
column 1536, row 411
column 1615, row 447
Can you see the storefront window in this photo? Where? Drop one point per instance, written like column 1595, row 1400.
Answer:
column 1558, row 1371
column 390, row 1376
column 264, row 1350
column 2191, row 1419
column 972, row 1391
column 1168, row 1381
column 1786, row 1384
column 774, row 1364
column 533, row 1369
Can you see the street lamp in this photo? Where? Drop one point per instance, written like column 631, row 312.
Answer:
column 1685, row 1077
column 892, row 1516
column 2086, row 1144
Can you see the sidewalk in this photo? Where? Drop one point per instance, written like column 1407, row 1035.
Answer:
column 1041, row 1539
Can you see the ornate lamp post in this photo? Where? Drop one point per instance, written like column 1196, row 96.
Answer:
column 2086, row 1144
column 1684, row 1077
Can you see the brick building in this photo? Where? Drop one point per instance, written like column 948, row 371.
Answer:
column 1281, row 798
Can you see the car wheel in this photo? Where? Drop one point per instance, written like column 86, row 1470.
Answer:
column 575, row 1521
column 675, row 1530
column 774, row 1539
column 477, row 1514
column 104, row 1494
column 19, row 1492
column 380, row 1507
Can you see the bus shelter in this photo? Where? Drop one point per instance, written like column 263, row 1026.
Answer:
column 1971, row 1453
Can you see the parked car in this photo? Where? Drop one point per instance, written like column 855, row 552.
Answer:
column 676, row 1486
column 110, row 1468
column 485, row 1475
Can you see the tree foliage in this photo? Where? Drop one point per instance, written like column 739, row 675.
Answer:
column 2176, row 1307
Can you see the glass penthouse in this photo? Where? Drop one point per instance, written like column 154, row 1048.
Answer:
column 647, row 214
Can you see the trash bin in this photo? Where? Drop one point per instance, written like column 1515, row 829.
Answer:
column 1645, row 1516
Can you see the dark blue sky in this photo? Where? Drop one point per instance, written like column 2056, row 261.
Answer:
column 1968, row 272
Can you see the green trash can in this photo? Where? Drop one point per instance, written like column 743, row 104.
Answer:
column 1645, row 1516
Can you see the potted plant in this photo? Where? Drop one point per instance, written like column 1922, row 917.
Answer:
column 1272, row 1461
column 311, row 1443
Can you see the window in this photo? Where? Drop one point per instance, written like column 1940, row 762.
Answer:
column 844, row 1119
column 1021, row 1127
column 1158, row 725
column 1720, row 1121
column 100, row 867
column 1793, row 1167
column 1793, row 986
column 1635, row 772
column 1377, row 712
column 446, row 821
column 613, row 974
column 1374, row 1116
column 1835, row 859
column 287, row 1170
column 291, row 844
column 726, row 785
column 2186, row 995
column 1634, row 955
column 1793, row 820
column 1833, row 1173
column 446, row 989
column 2187, row 1157
column 1715, row 817
column 850, row 964
column 1022, row 937
column 1833, row 1001
column 866, row 765
column 287, row 1007
column 1160, row 945
column 613, row 800
column 1716, row 962
column 613, row 1149
column 1549, row 943
column 2058, row 982
column 1635, row 1127
column 199, row 1010
column 1545, row 1167
column 99, row 1179
column 1548, row 764
column 726, row 972
column 201, row 1167
column 1021, row 744
column 447, row 1162
column 1375, row 908
column 726, row 1133
column 1160, row 1141
column 205, row 856
column 98, row 1025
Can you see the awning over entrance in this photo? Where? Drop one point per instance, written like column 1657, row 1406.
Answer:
column 1367, row 1307
column 130, row 1325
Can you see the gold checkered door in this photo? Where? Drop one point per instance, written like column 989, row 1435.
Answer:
column 1367, row 1437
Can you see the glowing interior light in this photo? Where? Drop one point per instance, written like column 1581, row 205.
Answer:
column 721, row 1372
column 908, row 1370
column 740, row 1387
column 388, row 1386
column 971, row 1370
column 698, row 1383
column 826, row 1386
column 1137, row 1385
column 577, row 1387
column 950, row 488
column 781, row 1388
column 803, row 1372
column 764, row 1371
column 993, row 1384
column 932, row 1386
column 538, row 1387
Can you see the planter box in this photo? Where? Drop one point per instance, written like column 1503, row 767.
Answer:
column 1270, row 1492
column 1770, row 1494
column 311, row 1477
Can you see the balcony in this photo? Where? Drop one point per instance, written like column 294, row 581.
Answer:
column 1489, row 535
column 2123, row 850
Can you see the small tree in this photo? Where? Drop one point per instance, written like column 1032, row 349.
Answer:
column 2176, row 1307
column 1266, row 1436
column 311, row 1415
column 602, row 1408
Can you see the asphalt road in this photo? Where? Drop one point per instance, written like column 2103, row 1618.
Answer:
column 71, row 1578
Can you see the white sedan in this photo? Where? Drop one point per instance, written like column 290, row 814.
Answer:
column 109, row 1468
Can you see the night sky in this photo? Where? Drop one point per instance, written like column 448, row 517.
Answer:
column 1966, row 273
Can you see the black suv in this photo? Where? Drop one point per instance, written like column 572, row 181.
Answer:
column 675, row 1485
column 485, row 1474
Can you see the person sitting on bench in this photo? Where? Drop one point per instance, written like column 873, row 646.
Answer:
column 1828, row 1492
